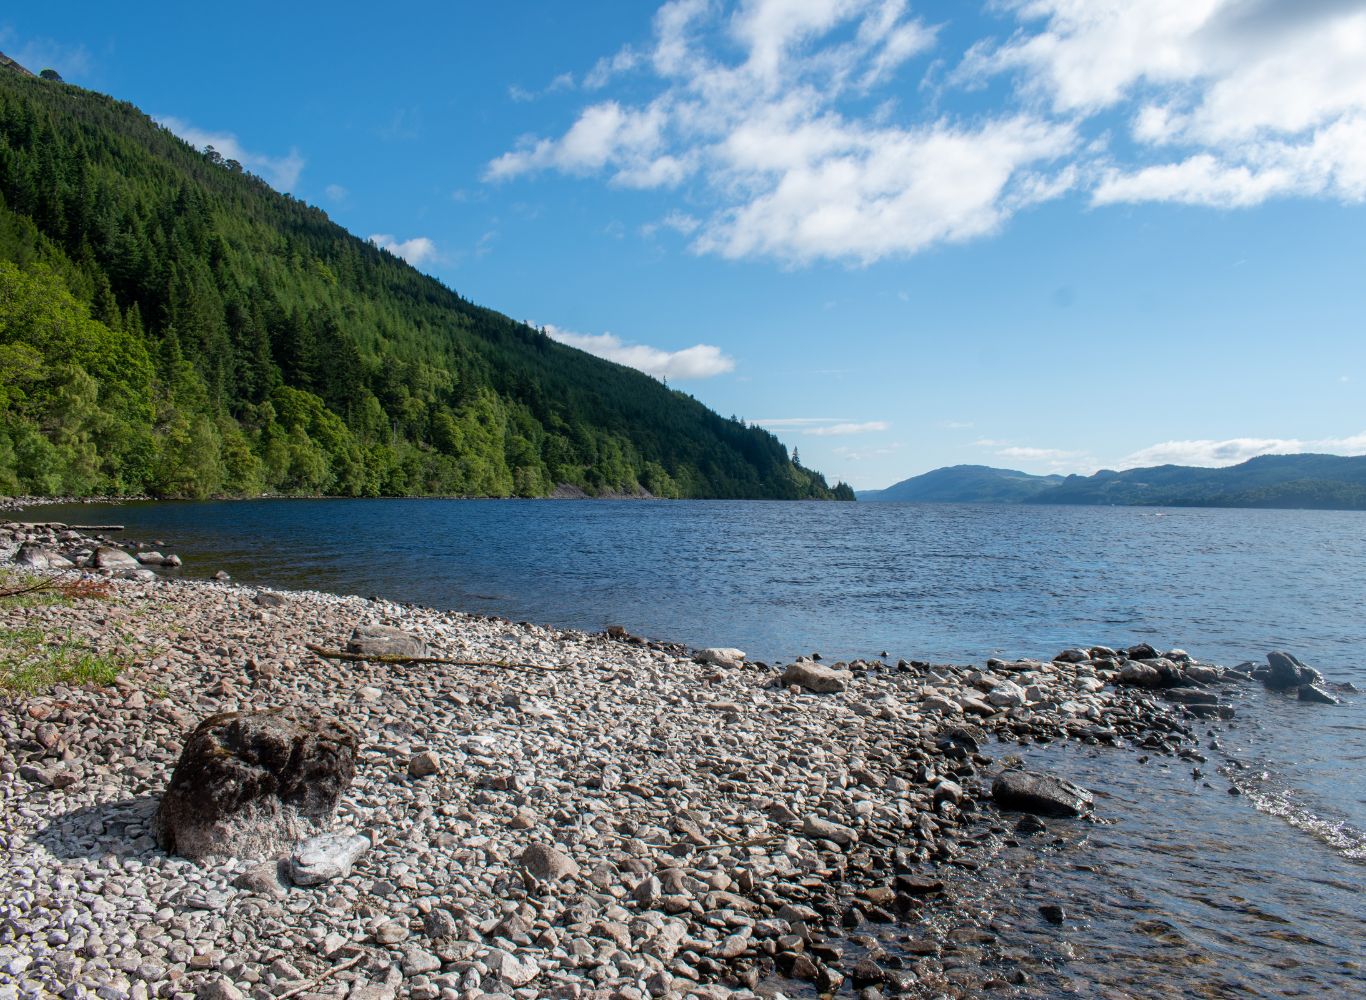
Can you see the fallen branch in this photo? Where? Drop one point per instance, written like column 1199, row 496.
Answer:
column 306, row 987
column 44, row 584
column 337, row 654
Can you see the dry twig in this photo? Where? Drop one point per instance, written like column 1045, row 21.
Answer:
column 337, row 654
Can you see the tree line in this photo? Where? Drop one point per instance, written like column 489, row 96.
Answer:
column 171, row 325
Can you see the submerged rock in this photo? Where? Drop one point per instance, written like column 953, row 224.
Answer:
column 1314, row 693
column 1040, row 794
column 251, row 784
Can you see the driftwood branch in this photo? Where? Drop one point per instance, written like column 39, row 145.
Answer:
column 306, row 987
column 337, row 654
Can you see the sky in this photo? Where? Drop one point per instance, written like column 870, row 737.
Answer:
column 1049, row 235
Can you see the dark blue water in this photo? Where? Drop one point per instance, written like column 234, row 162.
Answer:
column 939, row 582
column 1278, row 867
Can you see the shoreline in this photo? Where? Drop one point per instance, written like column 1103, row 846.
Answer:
column 730, row 831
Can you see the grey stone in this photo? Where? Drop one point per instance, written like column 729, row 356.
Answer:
column 384, row 640
column 814, row 677
column 510, row 969
column 720, row 656
column 548, row 864
column 325, row 857
column 108, row 557
column 424, row 764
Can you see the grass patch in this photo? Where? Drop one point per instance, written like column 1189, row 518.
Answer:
column 32, row 661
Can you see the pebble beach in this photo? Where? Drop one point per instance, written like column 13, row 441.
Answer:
column 577, row 815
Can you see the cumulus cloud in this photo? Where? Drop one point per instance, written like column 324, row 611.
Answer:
column 752, row 107
column 1037, row 454
column 415, row 251
column 1215, row 454
column 1234, row 101
column 840, row 430
column 698, row 361
column 280, row 172
column 788, row 122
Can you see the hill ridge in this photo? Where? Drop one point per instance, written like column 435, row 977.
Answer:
column 1302, row 481
column 174, row 326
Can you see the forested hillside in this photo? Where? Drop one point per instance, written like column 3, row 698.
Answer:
column 169, row 324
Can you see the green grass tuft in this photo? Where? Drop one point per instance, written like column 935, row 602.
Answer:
column 32, row 661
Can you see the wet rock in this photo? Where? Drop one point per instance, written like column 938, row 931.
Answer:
column 251, row 784
column 385, row 640
column 1286, row 672
column 326, row 857
column 1041, row 794
column 813, row 677
column 1053, row 913
column 1316, row 694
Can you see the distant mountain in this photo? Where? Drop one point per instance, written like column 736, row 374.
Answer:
column 1319, row 482
column 965, row 484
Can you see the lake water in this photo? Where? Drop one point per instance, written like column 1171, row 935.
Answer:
column 1263, row 892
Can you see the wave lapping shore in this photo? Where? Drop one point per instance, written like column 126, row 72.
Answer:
column 698, row 828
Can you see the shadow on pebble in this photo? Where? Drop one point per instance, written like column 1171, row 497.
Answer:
column 122, row 828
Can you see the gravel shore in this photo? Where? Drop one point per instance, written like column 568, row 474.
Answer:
column 612, row 818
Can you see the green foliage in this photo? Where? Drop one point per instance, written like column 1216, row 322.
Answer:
column 31, row 661
column 171, row 325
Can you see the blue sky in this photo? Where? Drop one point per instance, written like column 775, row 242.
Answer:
column 1054, row 235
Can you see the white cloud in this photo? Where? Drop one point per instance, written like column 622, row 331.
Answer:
column 797, row 421
column 1038, row 454
column 787, row 172
column 415, row 251
column 37, row 54
column 280, row 172
column 337, row 193
column 1238, row 101
column 1216, row 454
column 840, row 430
column 698, row 361
column 780, row 117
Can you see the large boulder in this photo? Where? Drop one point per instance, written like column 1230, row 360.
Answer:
column 32, row 556
column 1286, row 672
column 384, row 640
column 108, row 557
column 1040, row 794
column 814, row 677
column 252, row 784
column 721, row 656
